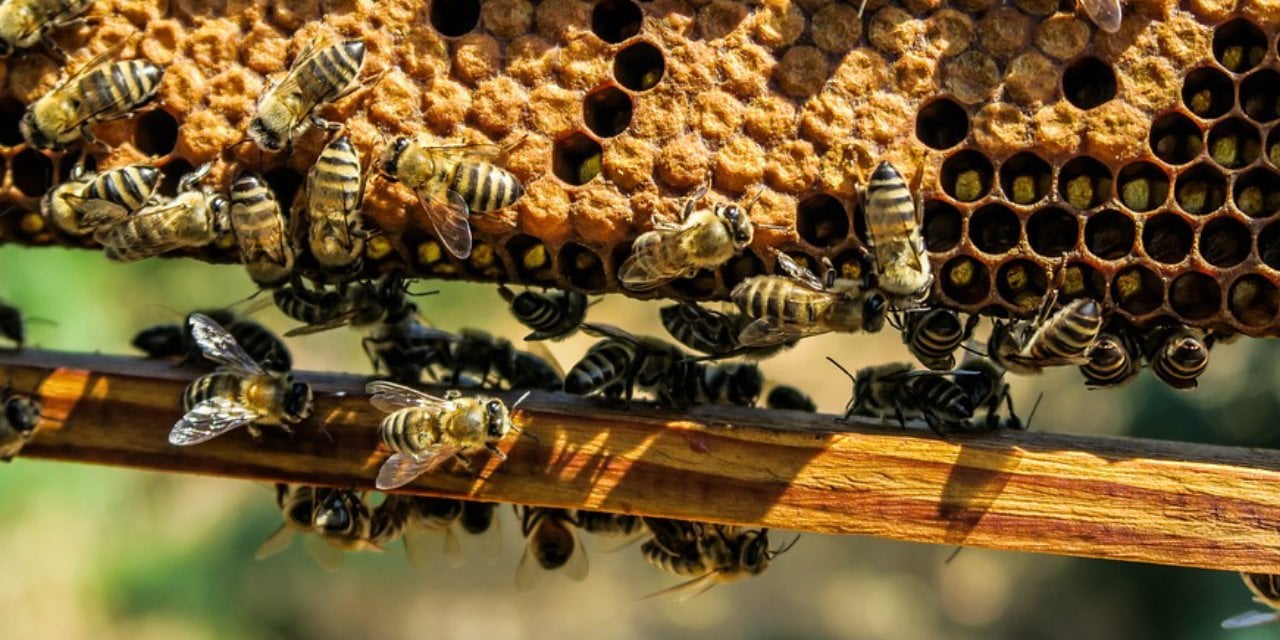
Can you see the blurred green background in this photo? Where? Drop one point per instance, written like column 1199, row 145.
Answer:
column 109, row 553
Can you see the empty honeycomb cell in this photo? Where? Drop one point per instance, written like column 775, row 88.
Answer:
column 1137, row 290
column 639, row 67
column 994, row 229
column 967, row 175
column 1053, row 231
column 1208, row 92
column 615, row 20
column 966, row 280
column 1062, row 37
column 576, row 158
column 1026, row 178
column 942, row 124
column 1109, row 235
column 156, row 133
column 1253, row 300
column 972, row 76
column 32, row 172
column 1239, row 45
column 1260, row 95
column 455, row 18
column 1142, row 186
column 943, row 225
column 1175, row 138
column 836, row 28
column 607, row 111
column 530, row 258
column 1022, row 283
column 1200, row 189
column 1195, row 296
column 1084, row 183
column 284, row 183
column 10, row 114
column 739, row 268
column 1234, row 143
column 1225, row 242
column 171, row 174
column 822, row 221
column 1269, row 245
column 582, row 267
column 1257, row 193
column 1082, row 281
column 1167, row 238
column 1088, row 83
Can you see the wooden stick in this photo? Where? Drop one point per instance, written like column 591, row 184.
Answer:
column 1117, row 498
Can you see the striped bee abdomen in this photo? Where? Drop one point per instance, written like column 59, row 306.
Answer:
column 1181, row 360
column 119, row 87
column 1068, row 333
column 1111, row 362
column 403, row 431
column 130, row 186
column 604, row 364
column 889, row 209
column 213, row 385
column 333, row 68
column 484, row 187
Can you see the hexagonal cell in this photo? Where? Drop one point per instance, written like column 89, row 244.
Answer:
column 171, row 174
column 483, row 261
column 1137, row 290
column 32, row 172
column 607, row 111
column 1195, row 296
column 1225, row 242
column 1167, row 238
column 1257, row 193
column 10, row 114
column 852, row 264
column 994, row 229
column 822, row 221
column 1269, row 245
column 1089, row 82
column 739, row 268
column 1109, row 235
column 1084, row 183
column 966, row 175
column 582, row 267
column 1026, row 178
column 639, row 67
column 942, row 226
column 453, row 18
column 1253, row 300
column 1143, row 186
column 1260, row 95
column 1239, row 45
column 1208, row 92
column 1200, row 189
column 530, row 258
column 284, row 183
column 1082, row 281
column 1053, row 231
column 615, row 20
column 1175, row 138
column 966, row 280
column 942, row 124
column 1234, row 143
column 156, row 133
column 576, row 158
column 1022, row 283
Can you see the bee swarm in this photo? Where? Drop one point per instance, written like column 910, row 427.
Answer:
column 1146, row 158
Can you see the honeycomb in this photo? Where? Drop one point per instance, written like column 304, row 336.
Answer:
column 1144, row 162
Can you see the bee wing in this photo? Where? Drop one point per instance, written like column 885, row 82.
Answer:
column 140, row 245
column 644, row 269
column 799, row 272
column 763, row 334
column 401, row 469
column 449, row 217
column 94, row 211
column 452, row 548
column 334, row 323
column 1104, row 13
column 688, row 589
column 277, row 542
column 541, row 350
column 419, row 548
column 529, row 573
column 1250, row 619
column 601, row 330
column 389, row 397
column 220, row 347
column 481, row 152
column 326, row 555
column 576, row 567
column 209, row 419
column 489, row 541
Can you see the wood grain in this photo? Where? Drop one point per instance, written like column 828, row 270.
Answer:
column 1116, row 498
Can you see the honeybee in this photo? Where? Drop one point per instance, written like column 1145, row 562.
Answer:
column 405, row 348
column 338, row 517
column 703, row 239
column 98, row 92
column 194, row 218
column 718, row 555
column 620, row 363
column 174, row 340
column 23, row 22
column 432, row 530
column 1104, row 13
column 19, row 416
column 798, row 305
column 357, row 304
column 424, row 431
column 608, row 524
column 335, row 188
column 712, row 332
column 1026, row 347
column 480, row 519
column 1266, row 590
column 495, row 360
column 552, row 315
column 553, row 544
column 317, row 77
column 986, row 388
column 933, row 336
column 790, row 399
column 451, row 182
column 239, row 393
column 1178, row 356
column 893, row 232
column 261, row 230
column 896, row 390
column 737, row 384
column 1113, row 360
column 102, row 197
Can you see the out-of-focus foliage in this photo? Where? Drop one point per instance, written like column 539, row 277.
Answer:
column 106, row 553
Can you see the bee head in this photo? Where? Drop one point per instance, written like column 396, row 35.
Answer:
column 391, row 163
column 33, row 134
column 738, row 223
column 160, row 341
column 22, row 414
column 753, row 552
column 11, row 324
column 264, row 135
column 333, row 515
column 496, row 424
column 300, row 514
column 297, row 403
column 875, row 310
column 218, row 205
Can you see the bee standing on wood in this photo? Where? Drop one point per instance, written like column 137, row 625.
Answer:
column 317, row 77
column 451, row 182
column 790, row 399
column 335, row 187
column 103, row 197
column 621, row 362
column 718, row 555
column 798, row 305
column 703, row 239
column 98, row 92
column 424, row 431
column 193, row 218
column 240, row 393
column 553, row 544
column 23, row 22
column 1266, row 590
column 261, row 231
column 893, row 231
column 986, row 390
column 19, row 416
column 896, row 390
column 552, row 315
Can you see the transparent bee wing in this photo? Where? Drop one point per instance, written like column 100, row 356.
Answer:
column 139, row 246
column 419, row 547
column 93, row 211
column 576, row 567
column 489, row 541
column 1104, row 13
column 450, row 219
column 208, row 420
column 479, row 152
column 529, row 573
column 688, row 589
column 541, row 350
column 644, row 269
column 220, row 347
column 308, row 329
column 763, row 334
column 452, row 548
column 326, row 555
column 601, row 330
column 799, row 272
column 277, row 542
column 389, row 397
column 400, row 469
column 1250, row 619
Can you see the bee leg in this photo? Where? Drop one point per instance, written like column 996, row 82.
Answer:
column 493, row 449
column 92, row 139
column 254, row 432
column 466, row 462
column 325, row 124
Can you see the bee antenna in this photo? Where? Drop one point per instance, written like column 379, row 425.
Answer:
column 953, row 555
column 1032, row 415
column 841, row 368
column 972, row 350
column 786, row 547
column 755, row 200
column 520, row 399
